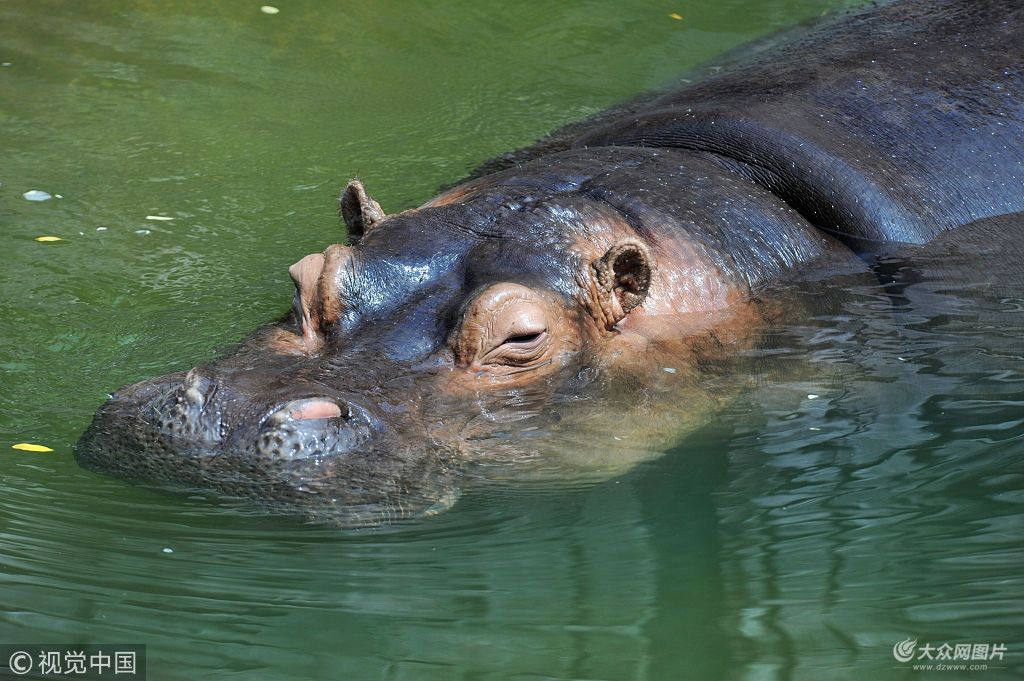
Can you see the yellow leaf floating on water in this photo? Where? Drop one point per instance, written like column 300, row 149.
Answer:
column 28, row 447
column 676, row 15
column 48, row 238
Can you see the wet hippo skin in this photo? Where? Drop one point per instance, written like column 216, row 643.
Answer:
column 601, row 293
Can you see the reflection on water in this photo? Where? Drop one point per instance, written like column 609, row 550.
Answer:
column 889, row 506
column 819, row 520
column 811, row 527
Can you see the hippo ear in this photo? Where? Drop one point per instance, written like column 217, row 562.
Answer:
column 623, row 277
column 358, row 210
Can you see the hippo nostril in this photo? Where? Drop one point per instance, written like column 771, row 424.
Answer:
column 315, row 409
column 312, row 429
column 188, row 409
column 197, row 388
column 277, row 418
column 195, row 396
column 308, row 410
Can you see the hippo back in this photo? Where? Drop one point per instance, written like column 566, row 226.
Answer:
column 891, row 123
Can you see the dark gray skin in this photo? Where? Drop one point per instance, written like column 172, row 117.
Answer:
column 586, row 307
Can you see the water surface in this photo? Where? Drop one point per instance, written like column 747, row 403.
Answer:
column 801, row 535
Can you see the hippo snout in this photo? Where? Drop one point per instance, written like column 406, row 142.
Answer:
column 297, row 446
column 187, row 426
column 186, row 411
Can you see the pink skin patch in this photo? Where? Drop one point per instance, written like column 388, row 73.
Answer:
column 316, row 409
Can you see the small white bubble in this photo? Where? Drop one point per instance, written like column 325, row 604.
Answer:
column 37, row 195
column 269, row 9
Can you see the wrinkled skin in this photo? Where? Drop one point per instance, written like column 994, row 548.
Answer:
column 589, row 306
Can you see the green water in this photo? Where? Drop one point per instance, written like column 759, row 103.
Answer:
column 800, row 536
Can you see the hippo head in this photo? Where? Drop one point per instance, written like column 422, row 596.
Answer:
column 535, row 321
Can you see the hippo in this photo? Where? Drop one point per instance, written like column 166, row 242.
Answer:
column 585, row 303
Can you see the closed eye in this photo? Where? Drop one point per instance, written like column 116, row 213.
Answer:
column 506, row 327
column 524, row 339
column 518, row 349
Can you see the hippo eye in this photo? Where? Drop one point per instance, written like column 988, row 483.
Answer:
column 507, row 327
column 519, row 334
column 518, row 349
column 525, row 340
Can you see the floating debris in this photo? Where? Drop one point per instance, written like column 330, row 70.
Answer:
column 158, row 217
column 168, row 549
column 269, row 9
column 142, row 231
column 29, row 447
column 37, row 195
column 812, row 396
column 676, row 15
column 48, row 238
column 669, row 370
column 101, row 229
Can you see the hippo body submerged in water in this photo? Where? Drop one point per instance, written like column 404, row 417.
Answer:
column 597, row 297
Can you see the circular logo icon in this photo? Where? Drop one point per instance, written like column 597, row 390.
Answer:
column 20, row 662
column 904, row 650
